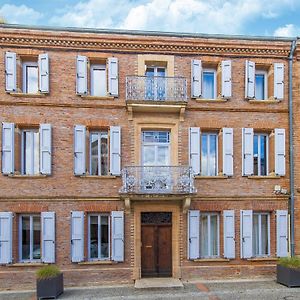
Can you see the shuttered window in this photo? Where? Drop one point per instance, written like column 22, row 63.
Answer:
column 260, row 154
column 98, row 80
column 209, row 83
column 209, row 146
column 261, row 234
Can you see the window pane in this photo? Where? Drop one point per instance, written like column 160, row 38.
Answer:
column 162, row 155
column 255, row 155
column 98, row 81
column 204, row 155
column 36, row 237
column 104, row 237
column 212, row 155
column 149, row 156
column 94, row 154
column 25, row 237
column 104, row 153
column 260, row 86
column 208, row 85
column 263, row 156
column 213, row 235
column 28, row 149
column 264, row 235
column 94, row 237
column 204, row 236
column 32, row 79
column 255, row 236
column 36, row 153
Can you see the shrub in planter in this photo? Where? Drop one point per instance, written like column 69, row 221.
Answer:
column 49, row 283
column 288, row 271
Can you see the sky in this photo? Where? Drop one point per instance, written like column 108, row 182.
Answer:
column 242, row 17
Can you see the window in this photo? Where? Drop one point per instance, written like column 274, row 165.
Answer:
column 155, row 83
column 99, row 153
column 98, row 80
column 30, row 155
column 209, row 235
column 30, row 77
column 261, row 234
column 30, row 237
column 209, row 146
column 261, row 83
column 260, row 150
column 99, row 237
column 209, row 83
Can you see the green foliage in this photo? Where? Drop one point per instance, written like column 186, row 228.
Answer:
column 48, row 271
column 290, row 262
column 2, row 20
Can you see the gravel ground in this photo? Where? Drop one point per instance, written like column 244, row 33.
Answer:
column 210, row 290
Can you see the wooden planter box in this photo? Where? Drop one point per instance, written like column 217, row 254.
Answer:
column 50, row 288
column 288, row 276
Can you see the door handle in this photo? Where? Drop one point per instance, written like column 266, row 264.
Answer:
column 148, row 246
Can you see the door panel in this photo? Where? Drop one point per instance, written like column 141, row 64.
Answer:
column 148, row 250
column 164, row 235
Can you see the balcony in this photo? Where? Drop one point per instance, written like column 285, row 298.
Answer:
column 156, row 94
column 159, row 180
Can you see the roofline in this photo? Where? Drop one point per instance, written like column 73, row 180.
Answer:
column 148, row 33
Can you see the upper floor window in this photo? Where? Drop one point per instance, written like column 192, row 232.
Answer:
column 209, row 146
column 155, row 86
column 209, row 84
column 35, row 73
column 260, row 154
column 98, row 80
column 261, row 85
column 261, row 234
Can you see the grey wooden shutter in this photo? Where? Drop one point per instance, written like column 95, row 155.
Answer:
column 228, row 151
column 280, row 151
column 229, row 234
column 8, row 141
column 194, row 149
column 79, row 150
column 250, row 80
column 5, row 237
column 246, row 233
column 247, row 151
column 117, row 221
column 282, row 232
column 193, row 234
column 77, row 236
column 196, row 80
column 45, row 149
column 44, row 73
column 226, row 79
column 81, row 77
column 115, row 150
column 279, row 81
column 48, row 237
column 113, row 81
column 10, row 71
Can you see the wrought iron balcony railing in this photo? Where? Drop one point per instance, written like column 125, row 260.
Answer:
column 154, row 88
column 157, row 180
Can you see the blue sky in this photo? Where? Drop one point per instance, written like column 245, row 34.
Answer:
column 250, row 17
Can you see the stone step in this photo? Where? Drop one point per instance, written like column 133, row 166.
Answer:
column 157, row 283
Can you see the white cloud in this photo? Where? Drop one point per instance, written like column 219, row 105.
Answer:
column 288, row 30
column 19, row 14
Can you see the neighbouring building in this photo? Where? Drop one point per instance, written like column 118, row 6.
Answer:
column 128, row 154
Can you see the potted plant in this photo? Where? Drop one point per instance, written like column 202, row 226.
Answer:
column 288, row 271
column 49, row 283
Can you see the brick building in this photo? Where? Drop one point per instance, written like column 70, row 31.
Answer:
column 133, row 154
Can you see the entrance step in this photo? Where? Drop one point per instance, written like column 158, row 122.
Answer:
column 157, row 283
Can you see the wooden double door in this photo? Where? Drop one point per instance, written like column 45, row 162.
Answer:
column 156, row 260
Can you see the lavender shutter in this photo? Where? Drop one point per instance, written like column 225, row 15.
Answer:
column 194, row 149
column 246, row 233
column 249, row 79
column 282, row 232
column 229, row 234
column 196, row 80
column 81, row 77
column 193, row 234
column 43, row 62
column 8, row 140
column 48, row 237
column 115, row 150
column 280, row 151
column 77, row 236
column 79, row 150
column 113, row 81
column 5, row 237
column 228, row 151
column 279, row 81
column 117, row 235
column 226, row 79
column 247, row 144
column 45, row 149
column 10, row 71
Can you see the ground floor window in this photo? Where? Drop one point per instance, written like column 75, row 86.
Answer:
column 30, row 237
column 209, row 235
column 99, row 237
column 261, row 234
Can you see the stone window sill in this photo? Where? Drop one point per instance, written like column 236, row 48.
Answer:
column 88, row 97
column 27, row 264
column 205, row 100
column 211, row 177
column 267, row 101
column 211, row 260
column 98, row 177
column 27, row 95
column 40, row 176
column 264, row 177
column 98, row 262
column 263, row 259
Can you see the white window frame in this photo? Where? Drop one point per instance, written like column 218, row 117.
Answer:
column 99, row 133
column 31, row 238
column 155, row 80
column 209, row 214
column 24, row 69
column 211, row 70
column 97, row 67
column 208, row 134
column 23, row 152
column 99, row 215
column 259, row 153
column 259, row 214
column 265, row 73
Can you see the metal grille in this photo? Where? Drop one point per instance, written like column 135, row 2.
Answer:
column 156, row 218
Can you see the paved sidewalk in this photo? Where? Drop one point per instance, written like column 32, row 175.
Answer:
column 206, row 290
